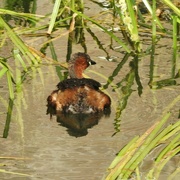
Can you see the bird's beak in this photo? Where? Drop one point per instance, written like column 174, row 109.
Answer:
column 91, row 62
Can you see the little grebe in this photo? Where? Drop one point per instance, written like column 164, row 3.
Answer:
column 78, row 94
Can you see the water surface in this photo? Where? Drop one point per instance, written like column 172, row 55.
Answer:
column 44, row 149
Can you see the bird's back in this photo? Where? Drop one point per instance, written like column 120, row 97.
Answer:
column 79, row 96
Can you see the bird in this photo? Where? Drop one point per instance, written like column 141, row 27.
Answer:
column 79, row 95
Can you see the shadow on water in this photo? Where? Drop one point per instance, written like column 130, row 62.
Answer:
column 77, row 124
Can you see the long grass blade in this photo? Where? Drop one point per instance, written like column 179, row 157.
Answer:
column 134, row 26
column 174, row 129
column 16, row 173
column 153, row 43
column 18, row 57
column 123, row 152
column 117, row 170
column 160, row 165
column 31, row 17
column 149, row 144
column 6, row 69
column 104, row 29
column 175, row 28
column 54, row 15
column 54, row 56
column 151, row 12
column 3, row 71
column 18, row 42
column 136, row 153
column 10, row 84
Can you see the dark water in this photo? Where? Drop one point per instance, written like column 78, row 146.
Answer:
column 43, row 148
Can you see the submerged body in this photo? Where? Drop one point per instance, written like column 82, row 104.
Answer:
column 78, row 94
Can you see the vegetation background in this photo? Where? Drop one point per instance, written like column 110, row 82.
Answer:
column 18, row 20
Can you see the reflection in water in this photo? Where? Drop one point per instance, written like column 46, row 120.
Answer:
column 77, row 124
column 23, row 6
column 8, row 118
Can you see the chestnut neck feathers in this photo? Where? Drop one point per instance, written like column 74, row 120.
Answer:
column 78, row 63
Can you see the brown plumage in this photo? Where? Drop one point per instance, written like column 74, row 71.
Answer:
column 78, row 94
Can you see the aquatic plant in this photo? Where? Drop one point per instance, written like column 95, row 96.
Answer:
column 161, row 136
column 128, row 161
column 24, row 59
